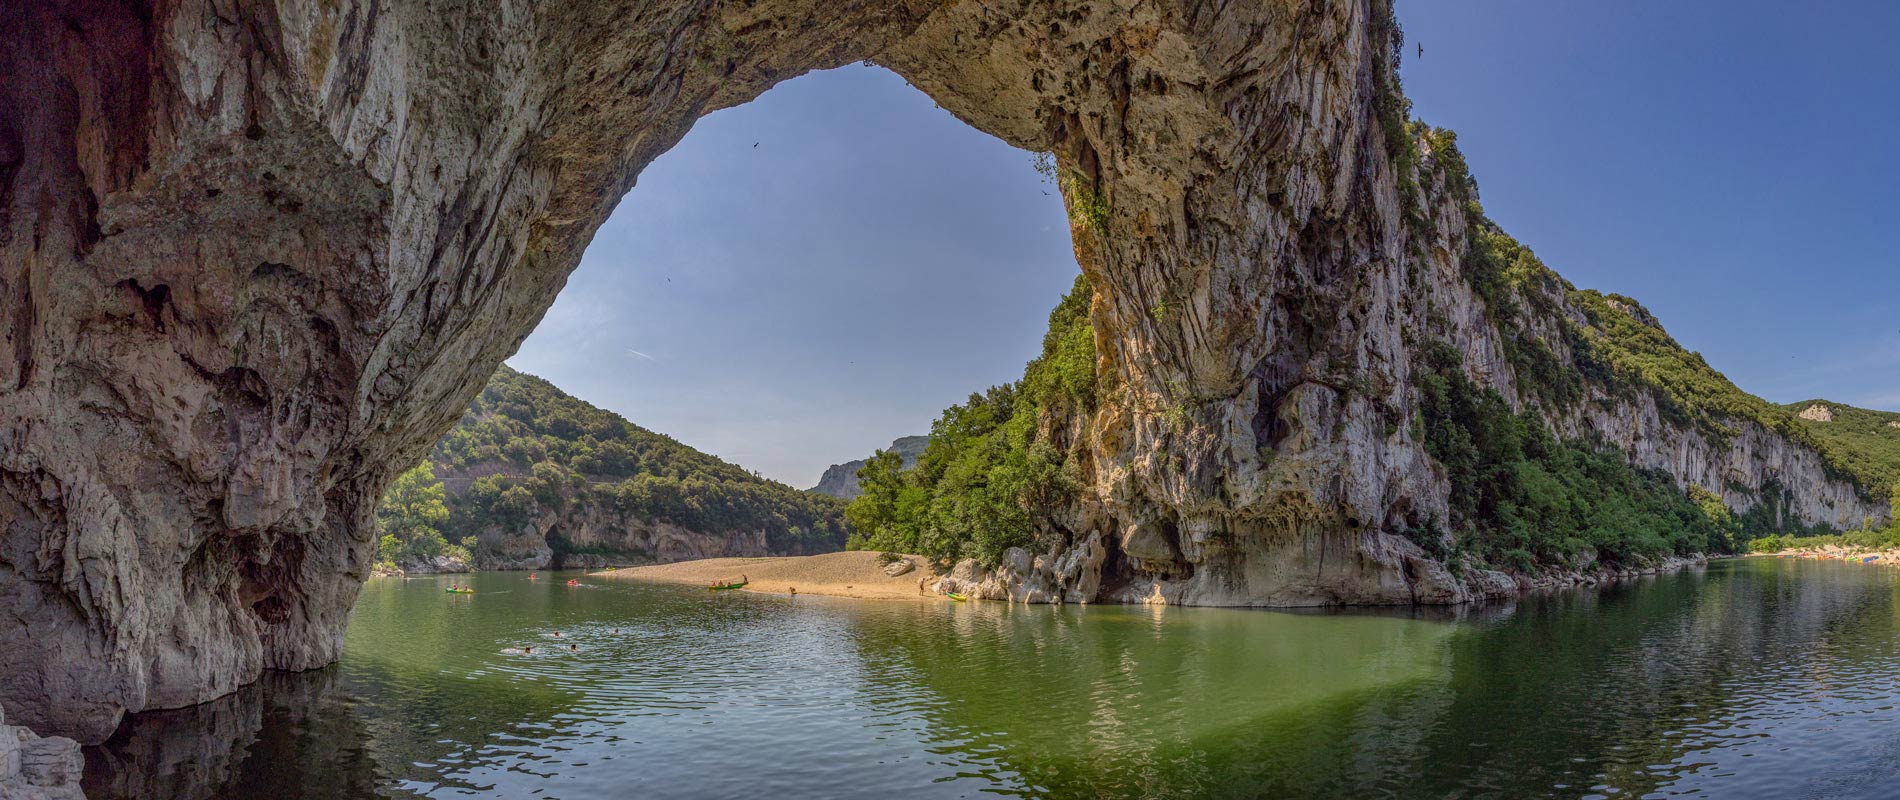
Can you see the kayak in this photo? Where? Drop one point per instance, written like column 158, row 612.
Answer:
column 957, row 597
column 459, row 591
column 724, row 587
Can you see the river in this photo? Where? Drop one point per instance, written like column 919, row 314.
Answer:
column 1755, row 678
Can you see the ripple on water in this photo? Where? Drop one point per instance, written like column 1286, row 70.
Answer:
column 1750, row 679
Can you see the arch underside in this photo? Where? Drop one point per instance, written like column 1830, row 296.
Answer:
column 259, row 255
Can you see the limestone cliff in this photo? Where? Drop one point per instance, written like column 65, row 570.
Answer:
column 257, row 255
column 1323, row 496
column 841, row 480
column 1867, row 439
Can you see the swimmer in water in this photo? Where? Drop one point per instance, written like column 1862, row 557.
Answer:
column 573, row 648
column 557, row 634
column 528, row 649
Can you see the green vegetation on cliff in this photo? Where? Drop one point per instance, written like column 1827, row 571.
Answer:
column 1520, row 496
column 1625, row 343
column 991, row 461
column 1867, row 441
column 1523, row 499
column 1868, row 536
column 533, row 447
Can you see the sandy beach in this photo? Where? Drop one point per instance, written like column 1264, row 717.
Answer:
column 1858, row 555
column 847, row 574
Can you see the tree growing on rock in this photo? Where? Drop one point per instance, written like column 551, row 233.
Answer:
column 411, row 518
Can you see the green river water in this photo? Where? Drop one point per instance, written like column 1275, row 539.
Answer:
column 1756, row 678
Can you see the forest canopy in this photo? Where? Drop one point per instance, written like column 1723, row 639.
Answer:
column 524, row 447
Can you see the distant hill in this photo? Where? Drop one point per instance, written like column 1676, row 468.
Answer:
column 1868, row 440
column 841, row 480
column 539, row 478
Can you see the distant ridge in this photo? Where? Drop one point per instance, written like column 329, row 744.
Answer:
column 841, row 480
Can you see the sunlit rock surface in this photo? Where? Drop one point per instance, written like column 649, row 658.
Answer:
column 256, row 256
column 36, row 768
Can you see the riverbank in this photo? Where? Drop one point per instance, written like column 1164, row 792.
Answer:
column 852, row 573
column 1885, row 556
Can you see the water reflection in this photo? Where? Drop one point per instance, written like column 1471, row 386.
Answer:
column 1750, row 679
column 266, row 740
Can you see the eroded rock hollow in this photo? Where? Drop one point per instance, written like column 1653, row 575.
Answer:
column 256, row 256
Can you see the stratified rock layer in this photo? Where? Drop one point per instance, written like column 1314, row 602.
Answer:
column 256, row 256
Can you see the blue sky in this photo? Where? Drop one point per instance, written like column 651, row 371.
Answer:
column 806, row 301
column 873, row 259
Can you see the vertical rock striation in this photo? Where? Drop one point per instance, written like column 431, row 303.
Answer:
column 256, row 255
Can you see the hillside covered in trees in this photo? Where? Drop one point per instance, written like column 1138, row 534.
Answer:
column 1865, row 440
column 533, row 477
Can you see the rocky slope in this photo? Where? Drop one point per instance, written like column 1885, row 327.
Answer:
column 255, row 255
column 1868, row 441
column 536, row 478
column 841, row 480
column 1327, row 487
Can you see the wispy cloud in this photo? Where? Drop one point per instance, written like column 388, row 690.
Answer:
column 633, row 352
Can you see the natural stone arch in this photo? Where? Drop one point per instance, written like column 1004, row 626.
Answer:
column 257, row 255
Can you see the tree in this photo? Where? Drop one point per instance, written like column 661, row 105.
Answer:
column 879, row 515
column 412, row 516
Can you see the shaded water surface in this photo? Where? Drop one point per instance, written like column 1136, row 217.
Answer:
column 1756, row 678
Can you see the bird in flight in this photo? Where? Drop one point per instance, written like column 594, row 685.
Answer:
column 1421, row 49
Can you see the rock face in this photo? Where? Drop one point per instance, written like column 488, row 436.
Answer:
column 256, row 255
column 841, row 480
column 1819, row 413
column 35, row 768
